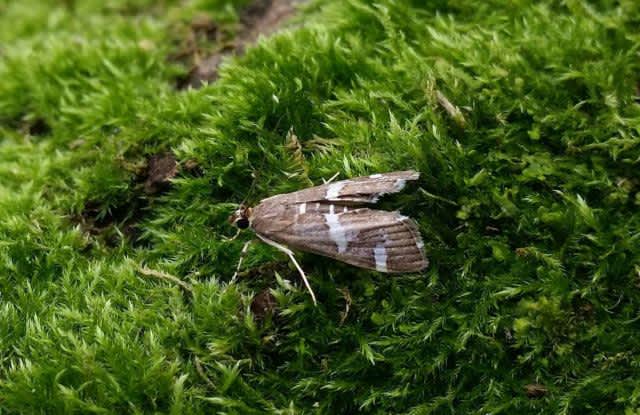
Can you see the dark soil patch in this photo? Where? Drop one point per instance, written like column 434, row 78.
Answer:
column 203, row 26
column 122, row 220
column 118, row 222
column 263, row 304
column 261, row 17
column 161, row 168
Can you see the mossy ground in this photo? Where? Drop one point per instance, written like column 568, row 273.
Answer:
column 528, row 206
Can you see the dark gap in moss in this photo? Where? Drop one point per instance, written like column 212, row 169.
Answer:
column 226, row 192
column 39, row 127
column 27, row 124
column 263, row 269
column 101, row 224
column 263, row 304
column 192, row 168
column 104, row 222
column 110, row 130
column 583, row 308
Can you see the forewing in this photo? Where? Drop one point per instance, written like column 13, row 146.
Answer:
column 359, row 190
column 368, row 238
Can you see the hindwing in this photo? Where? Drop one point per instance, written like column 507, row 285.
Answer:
column 368, row 238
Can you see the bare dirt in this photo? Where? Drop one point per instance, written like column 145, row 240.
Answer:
column 261, row 17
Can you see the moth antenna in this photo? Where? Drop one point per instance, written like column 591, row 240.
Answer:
column 293, row 259
column 253, row 186
column 243, row 253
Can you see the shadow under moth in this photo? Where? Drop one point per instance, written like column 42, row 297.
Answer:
column 332, row 220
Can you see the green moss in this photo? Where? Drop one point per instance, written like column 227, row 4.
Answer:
column 528, row 205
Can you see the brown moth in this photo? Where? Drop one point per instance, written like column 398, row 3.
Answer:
column 331, row 220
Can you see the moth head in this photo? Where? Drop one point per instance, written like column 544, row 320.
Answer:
column 241, row 218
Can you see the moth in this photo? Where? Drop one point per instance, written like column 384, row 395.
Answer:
column 334, row 220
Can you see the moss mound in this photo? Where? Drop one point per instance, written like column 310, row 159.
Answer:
column 115, row 185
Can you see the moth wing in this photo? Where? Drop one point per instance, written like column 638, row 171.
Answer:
column 373, row 239
column 359, row 190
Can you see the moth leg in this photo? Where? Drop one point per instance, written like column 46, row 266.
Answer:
column 293, row 259
column 243, row 253
column 234, row 236
column 331, row 179
column 304, row 277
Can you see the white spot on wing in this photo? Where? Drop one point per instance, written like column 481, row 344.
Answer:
column 399, row 185
column 337, row 232
column 375, row 176
column 303, row 208
column 331, row 210
column 380, row 255
column 345, row 210
column 333, row 191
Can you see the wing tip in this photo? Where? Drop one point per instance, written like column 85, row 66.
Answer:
column 409, row 174
column 414, row 174
column 399, row 174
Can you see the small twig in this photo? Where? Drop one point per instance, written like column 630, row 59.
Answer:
column 331, row 179
column 202, row 373
column 167, row 277
column 347, row 299
column 609, row 310
column 440, row 198
column 243, row 253
column 453, row 111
